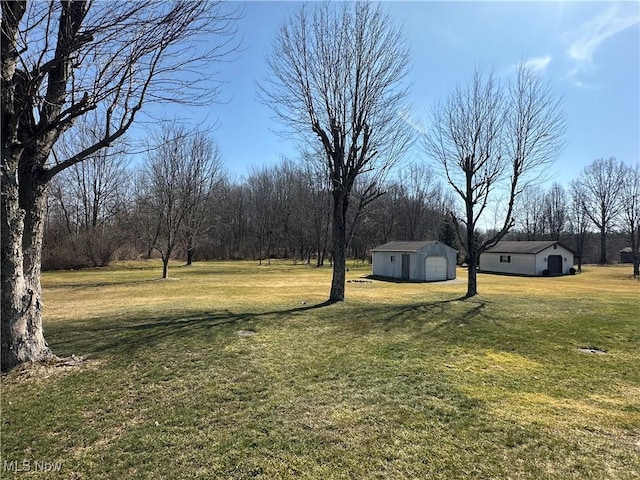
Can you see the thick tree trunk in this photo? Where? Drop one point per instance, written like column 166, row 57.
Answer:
column 165, row 267
column 635, row 247
column 190, row 251
column 472, row 241
column 603, row 246
column 21, row 311
column 340, row 205
column 472, row 281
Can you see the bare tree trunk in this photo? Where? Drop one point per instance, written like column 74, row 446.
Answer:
column 190, row 250
column 165, row 267
column 579, row 253
column 635, row 247
column 340, row 205
column 472, row 282
column 603, row 246
column 22, row 333
column 339, row 70
column 39, row 105
column 481, row 136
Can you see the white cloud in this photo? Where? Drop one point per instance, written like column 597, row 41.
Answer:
column 593, row 33
column 585, row 86
column 538, row 63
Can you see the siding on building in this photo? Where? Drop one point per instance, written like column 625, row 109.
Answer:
column 526, row 258
column 520, row 263
column 387, row 260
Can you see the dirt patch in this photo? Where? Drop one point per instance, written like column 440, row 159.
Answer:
column 53, row 368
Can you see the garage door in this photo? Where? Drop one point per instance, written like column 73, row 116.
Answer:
column 435, row 268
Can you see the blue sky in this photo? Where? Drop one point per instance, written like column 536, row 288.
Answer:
column 589, row 50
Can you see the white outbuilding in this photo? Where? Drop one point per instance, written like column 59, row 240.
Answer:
column 528, row 258
column 415, row 261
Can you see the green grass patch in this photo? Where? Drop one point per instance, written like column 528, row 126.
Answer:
column 401, row 381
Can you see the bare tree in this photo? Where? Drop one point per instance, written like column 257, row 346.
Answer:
column 61, row 60
column 263, row 200
column 320, row 207
column 485, row 136
column 555, row 211
column 335, row 74
column 92, row 194
column 631, row 211
column 603, row 180
column 176, row 183
column 529, row 214
column 578, row 219
column 301, row 209
column 206, row 174
column 416, row 189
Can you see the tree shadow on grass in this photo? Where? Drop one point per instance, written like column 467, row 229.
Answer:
column 418, row 318
column 125, row 335
column 439, row 307
column 88, row 286
column 114, row 334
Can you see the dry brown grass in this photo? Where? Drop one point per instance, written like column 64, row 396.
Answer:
column 401, row 381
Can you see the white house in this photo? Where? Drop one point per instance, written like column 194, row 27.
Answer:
column 417, row 261
column 528, row 258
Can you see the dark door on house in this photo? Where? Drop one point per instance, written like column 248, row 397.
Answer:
column 554, row 263
column 405, row 266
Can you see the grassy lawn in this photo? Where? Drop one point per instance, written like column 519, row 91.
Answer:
column 401, row 381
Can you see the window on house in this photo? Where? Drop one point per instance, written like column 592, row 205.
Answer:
column 505, row 258
column 393, row 258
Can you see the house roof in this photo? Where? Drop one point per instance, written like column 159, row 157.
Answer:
column 406, row 246
column 524, row 247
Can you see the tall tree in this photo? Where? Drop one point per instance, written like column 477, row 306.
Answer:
column 416, row 189
column 61, row 60
column 555, row 211
column 603, row 181
column 176, row 183
column 631, row 212
column 206, row 176
column 529, row 215
column 263, row 200
column 484, row 136
column 320, row 206
column 335, row 74
column 578, row 219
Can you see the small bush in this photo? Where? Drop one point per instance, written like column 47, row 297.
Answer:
column 545, row 273
column 572, row 271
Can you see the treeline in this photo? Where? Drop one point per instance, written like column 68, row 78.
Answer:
column 180, row 204
column 597, row 215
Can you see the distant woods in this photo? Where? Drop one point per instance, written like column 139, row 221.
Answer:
column 284, row 211
column 279, row 211
column 349, row 189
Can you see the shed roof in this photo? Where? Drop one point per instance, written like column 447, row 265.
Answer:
column 407, row 246
column 524, row 247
